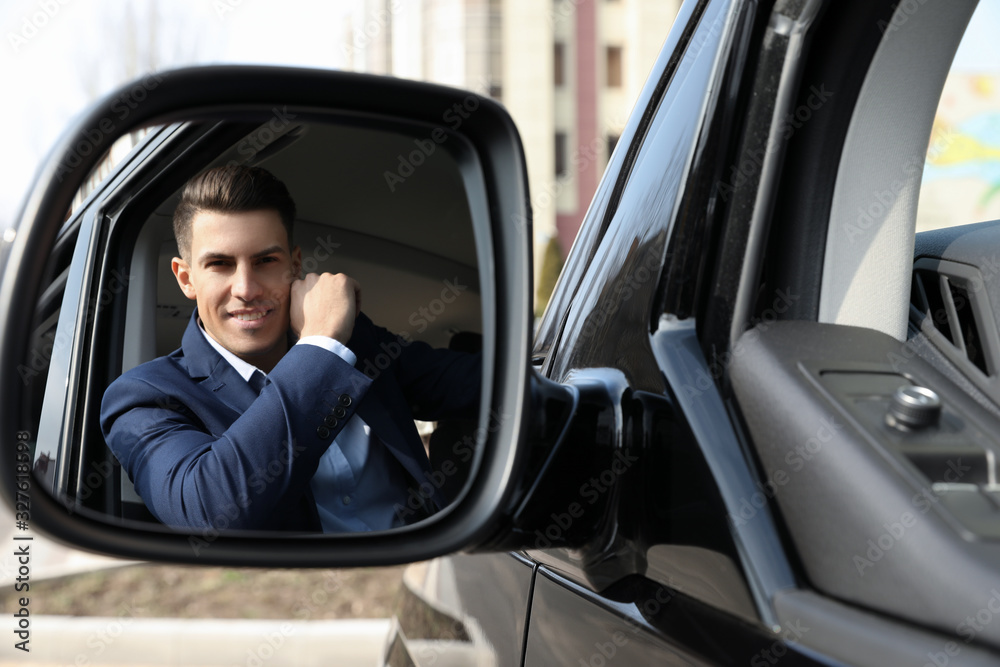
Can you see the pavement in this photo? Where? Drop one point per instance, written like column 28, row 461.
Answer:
column 134, row 642
column 92, row 641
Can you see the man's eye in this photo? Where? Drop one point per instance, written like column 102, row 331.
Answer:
column 264, row 260
column 217, row 262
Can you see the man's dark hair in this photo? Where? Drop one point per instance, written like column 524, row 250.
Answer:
column 231, row 189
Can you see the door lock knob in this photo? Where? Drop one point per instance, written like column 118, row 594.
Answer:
column 913, row 407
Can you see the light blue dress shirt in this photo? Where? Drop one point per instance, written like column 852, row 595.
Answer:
column 358, row 481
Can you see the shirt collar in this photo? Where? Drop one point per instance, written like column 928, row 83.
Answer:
column 243, row 368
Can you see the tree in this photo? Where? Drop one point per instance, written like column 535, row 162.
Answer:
column 552, row 263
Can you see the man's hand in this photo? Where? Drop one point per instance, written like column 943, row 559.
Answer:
column 325, row 305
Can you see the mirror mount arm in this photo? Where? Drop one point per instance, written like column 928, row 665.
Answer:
column 573, row 439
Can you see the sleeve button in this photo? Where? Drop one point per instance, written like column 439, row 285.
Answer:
column 345, row 400
column 331, row 421
column 339, row 412
column 323, row 432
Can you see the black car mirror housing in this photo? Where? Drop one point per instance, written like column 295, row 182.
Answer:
column 475, row 129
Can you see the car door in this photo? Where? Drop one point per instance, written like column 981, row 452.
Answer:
column 665, row 577
column 684, row 557
column 84, row 285
column 602, row 305
column 84, row 478
column 462, row 610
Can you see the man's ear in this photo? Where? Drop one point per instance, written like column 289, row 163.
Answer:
column 296, row 262
column 182, row 272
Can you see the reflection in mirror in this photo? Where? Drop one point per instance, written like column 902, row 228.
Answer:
column 140, row 382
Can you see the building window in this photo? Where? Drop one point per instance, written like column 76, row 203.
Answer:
column 495, row 51
column 561, row 157
column 613, row 62
column 559, row 64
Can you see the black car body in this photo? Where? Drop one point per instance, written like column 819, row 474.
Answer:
column 728, row 527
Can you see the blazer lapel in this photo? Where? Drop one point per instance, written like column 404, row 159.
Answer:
column 230, row 387
column 207, row 366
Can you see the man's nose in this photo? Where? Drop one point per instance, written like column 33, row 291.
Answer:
column 246, row 287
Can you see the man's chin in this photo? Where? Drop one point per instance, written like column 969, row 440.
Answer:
column 254, row 341
column 264, row 358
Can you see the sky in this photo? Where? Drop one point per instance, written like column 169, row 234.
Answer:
column 51, row 70
column 56, row 55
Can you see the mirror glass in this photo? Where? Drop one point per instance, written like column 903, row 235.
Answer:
column 135, row 414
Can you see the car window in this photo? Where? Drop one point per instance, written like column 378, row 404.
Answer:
column 961, row 179
column 119, row 151
column 610, row 315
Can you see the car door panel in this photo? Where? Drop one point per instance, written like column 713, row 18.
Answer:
column 639, row 622
column 875, row 507
column 462, row 610
column 646, row 504
column 667, row 521
column 568, row 629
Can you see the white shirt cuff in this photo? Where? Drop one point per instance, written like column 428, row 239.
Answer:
column 330, row 345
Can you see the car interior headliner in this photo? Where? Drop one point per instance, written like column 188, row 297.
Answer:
column 389, row 209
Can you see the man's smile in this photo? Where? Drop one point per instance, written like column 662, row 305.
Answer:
column 251, row 318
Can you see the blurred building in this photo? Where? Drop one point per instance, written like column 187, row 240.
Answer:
column 961, row 178
column 568, row 71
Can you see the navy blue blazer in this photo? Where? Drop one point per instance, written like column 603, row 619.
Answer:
column 205, row 452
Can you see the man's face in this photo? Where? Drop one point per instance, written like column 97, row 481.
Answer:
column 240, row 271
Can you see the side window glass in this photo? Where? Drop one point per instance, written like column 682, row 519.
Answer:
column 46, row 371
column 961, row 180
column 44, row 341
column 44, row 345
column 610, row 316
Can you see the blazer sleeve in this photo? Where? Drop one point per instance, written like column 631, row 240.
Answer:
column 198, row 463
column 437, row 383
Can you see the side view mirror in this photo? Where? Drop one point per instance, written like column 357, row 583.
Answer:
column 416, row 191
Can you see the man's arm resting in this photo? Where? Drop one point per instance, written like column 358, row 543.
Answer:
column 197, row 464
column 445, row 384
